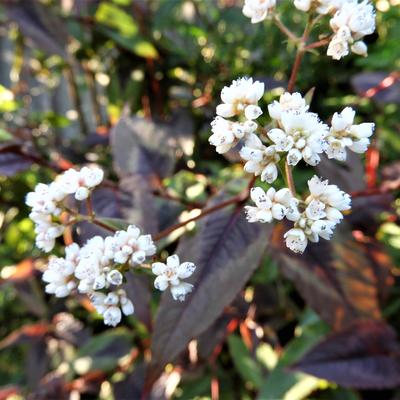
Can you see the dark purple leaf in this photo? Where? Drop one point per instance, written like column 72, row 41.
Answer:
column 348, row 176
column 336, row 278
column 142, row 147
column 105, row 205
column 226, row 250
column 137, row 289
column 132, row 385
column 40, row 25
column 217, row 332
column 12, row 163
column 365, row 355
column 137, row 203
column 367, row 210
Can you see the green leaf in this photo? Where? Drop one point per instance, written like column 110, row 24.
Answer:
column 115, row 223
column 119, row 26
column 4, row 135
column 283, row 384
column 103, row 351
column 247, row 367
column 116, row 18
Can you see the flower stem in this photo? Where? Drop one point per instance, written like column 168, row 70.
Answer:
column 283, row 28
column 238, row 199
column 289, row 179
column 299, row 55
column 89, row 207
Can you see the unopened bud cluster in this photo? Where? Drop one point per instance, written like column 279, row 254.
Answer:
column 295, row 134
column 97, row 268
column 350, row 21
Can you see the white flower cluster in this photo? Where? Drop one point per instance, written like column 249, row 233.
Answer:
column 240, row 100
column 351, row 22
column 97, row 268
column 344, row 134
column 258, row 10
column 298, row 134
column 322, row 212
column 171, row 274
column 47, row 202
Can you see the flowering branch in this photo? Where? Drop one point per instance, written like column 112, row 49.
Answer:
column 238, row 199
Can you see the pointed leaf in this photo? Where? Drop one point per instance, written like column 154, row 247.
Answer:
column 336, row 278
column 226, row 250
column 365, row 355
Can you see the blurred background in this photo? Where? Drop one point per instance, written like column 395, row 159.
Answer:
column 69, row 69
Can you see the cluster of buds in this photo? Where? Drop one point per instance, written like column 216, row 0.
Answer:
column 47, row 202
column 298, row 134
column 97, row 268
column 350, row 21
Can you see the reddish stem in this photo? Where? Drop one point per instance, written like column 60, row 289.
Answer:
column 315, row 45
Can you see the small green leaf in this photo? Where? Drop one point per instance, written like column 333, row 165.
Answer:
column 115, row 223
column 4, row 135
column 247, row 366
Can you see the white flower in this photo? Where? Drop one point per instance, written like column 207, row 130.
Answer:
column 171, row 275
column 80, row 182
column 322, row 212
column 358, row 17
column 339, row 45
column 59, row 274
column 108, row 305
column 351, row 22
column 269, row 205
column 226, row 134
column 94, row 263
column 131, row 246
column 261, row 160
column 288, row 102
column 258, row 10
column 310, row 226
column 321, row 6
column 343, row 134
column 114, row 277
column 46, row 202
column 238, row 96
column 91, row 176
column 43, row 200
column 330, row 195
column 302, row 136
column 296, row 240
column 46, row 231
column 359, row 48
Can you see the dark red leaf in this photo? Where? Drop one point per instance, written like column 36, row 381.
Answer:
column 365, row 355
column 336, row 278
column 12, row 163
column 226, row 250
column 138, row 290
